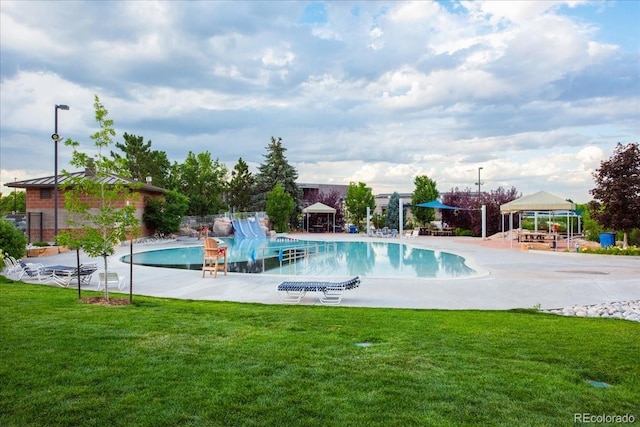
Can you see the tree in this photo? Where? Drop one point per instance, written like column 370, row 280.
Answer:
column 14, row 201
column 277, row 170
column 140, row 162
column 280, row 206
column 617, row 191
column 469, row 216
column 97, row 217
column 240, row 186
column 359, row 197
column 164, row 216
column 425, row 191
column 392, row 219
column 203, row 181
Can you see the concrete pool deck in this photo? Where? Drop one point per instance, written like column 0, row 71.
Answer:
column 509, row 277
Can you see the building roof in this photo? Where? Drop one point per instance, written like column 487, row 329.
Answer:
column 49, row 181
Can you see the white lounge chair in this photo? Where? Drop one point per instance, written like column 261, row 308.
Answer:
column 111, row 279
column 330, row 292
column 32, row 271
column 64, row 276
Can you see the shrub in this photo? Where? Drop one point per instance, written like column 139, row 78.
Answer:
column 12, row 241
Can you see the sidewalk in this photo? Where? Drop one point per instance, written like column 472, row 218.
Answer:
column 510, row 278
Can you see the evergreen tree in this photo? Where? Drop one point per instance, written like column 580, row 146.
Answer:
column 140, row 162
column 276, row 170
column 392, row 219
column 240, row 186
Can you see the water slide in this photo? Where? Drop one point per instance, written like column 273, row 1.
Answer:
column 247, row 228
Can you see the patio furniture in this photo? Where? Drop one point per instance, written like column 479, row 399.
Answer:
column 212, row 255
column 32, row 271
column 63, row 275
column 330, row 292
column 111, row 278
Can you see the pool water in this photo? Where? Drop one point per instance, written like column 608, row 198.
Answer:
column 307, row 258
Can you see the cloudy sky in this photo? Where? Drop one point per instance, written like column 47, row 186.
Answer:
column 536, row 93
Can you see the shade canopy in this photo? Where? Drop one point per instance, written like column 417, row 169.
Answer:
column 540, row 201
column 434, row 204
column 318, row 208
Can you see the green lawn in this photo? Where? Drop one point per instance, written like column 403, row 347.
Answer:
column 162, row 362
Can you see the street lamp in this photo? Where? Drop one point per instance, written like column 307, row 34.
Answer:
column 479, row 183
column 56, row 138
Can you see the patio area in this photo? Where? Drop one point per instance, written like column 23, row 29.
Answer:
column 509, row 277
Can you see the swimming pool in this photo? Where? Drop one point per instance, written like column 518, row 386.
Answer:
column 313, row 258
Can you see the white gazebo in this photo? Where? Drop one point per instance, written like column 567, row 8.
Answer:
column 320, row 208
column 538, row 203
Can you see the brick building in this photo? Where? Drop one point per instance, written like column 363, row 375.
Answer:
column 40, row 212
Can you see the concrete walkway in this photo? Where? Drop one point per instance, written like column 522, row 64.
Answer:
column 509, row 278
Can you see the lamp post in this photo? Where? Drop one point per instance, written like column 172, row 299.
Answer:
column 479, row 183
column 56, row 138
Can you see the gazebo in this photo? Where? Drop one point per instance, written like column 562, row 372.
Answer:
column 538, row 203
column 320, row 208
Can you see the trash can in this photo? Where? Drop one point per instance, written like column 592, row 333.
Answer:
column 353, row 229
column 607, row 239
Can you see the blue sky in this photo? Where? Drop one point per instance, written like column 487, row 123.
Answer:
column 535, row 93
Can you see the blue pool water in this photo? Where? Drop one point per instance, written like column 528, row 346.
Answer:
column 307, row 258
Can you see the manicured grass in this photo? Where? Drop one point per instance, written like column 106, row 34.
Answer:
column 164, row 362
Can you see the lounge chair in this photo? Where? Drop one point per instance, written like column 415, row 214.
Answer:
column 32, row 271
column 212, row 255
column 11, row 265
column 63, row 275
column 330, row 293
column 110, row 279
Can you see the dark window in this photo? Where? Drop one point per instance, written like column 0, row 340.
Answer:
column 45, row 193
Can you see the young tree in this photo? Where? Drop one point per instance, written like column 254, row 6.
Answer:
column 277, row 170
column 617, row 191
column 280, row 205
column 425, row 191
column 140, row 162
column 240, row 186
column 98, row 219
column 359, row 197
column 203, row 181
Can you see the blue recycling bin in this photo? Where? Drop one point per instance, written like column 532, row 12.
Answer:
column 607, row 239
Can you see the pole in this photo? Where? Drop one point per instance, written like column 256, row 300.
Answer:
column 15, row 194
column 400, row 213
column 484, row 222
column 56, row 138
column 479, row 182
column 55, row 176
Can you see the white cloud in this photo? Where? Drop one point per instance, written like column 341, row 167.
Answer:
column 381, row 92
